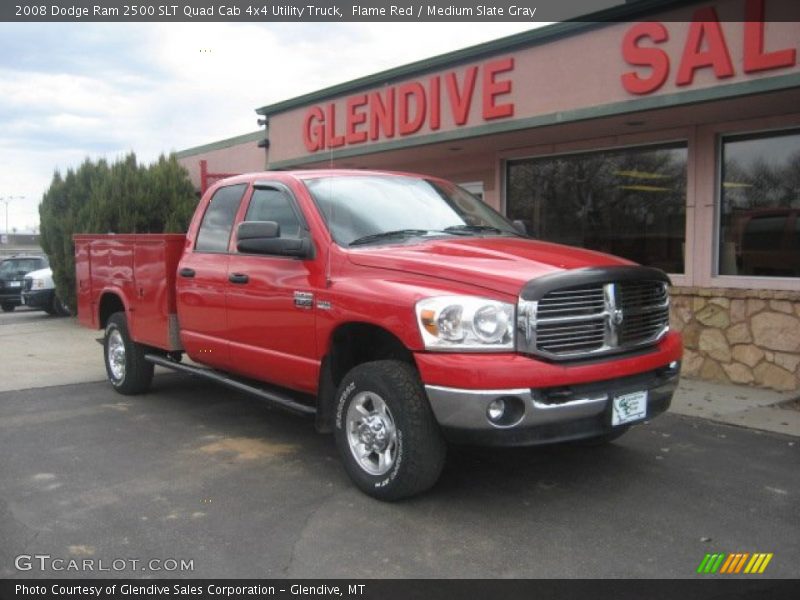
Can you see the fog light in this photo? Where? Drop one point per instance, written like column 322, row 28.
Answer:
column 673, row 365
column 506, row 411
column 496, row 410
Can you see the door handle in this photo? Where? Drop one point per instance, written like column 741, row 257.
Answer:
column 238, row 278
column 186, row 272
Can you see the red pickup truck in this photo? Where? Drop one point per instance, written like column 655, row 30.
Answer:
column 397, row 309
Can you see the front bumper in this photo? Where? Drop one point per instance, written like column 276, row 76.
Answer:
column 10, row 295
column 546, row 415
column 554, row 402
column 37, row 298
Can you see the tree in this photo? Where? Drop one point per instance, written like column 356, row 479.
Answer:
column 124, row 197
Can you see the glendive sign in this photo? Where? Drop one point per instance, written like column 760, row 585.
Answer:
column 705, row 47
column 403, row 109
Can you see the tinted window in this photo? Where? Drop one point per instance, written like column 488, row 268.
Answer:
column 631, row 202
column 215, row 230
column 19, row 266
column 759, row 196
column 274, row 205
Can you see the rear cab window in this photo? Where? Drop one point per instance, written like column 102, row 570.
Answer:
column 217, row 225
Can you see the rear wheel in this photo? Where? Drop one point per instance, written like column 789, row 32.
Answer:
column 385, row 431
column 127, row 369
column 7, row 307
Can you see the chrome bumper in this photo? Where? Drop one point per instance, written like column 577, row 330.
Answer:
column 585, row 412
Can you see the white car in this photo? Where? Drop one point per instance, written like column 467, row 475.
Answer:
column 39, row 291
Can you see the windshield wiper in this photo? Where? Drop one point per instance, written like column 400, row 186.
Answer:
column 398, row 233
column 461, row 229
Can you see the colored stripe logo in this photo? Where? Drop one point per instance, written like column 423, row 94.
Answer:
column 734, row 563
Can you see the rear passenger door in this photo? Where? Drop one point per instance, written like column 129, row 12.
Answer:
column 270, row 300
column 203, row 278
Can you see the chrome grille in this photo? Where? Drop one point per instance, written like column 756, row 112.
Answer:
column 593, row 319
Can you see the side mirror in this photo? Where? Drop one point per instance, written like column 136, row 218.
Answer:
column 520, row 226
column 263, row 237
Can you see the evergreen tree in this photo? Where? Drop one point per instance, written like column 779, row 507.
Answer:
column 124, row 197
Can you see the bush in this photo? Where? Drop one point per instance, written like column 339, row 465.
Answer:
column 125, row 197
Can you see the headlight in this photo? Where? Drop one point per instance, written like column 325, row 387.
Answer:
column 466, row 323
column 38, row 284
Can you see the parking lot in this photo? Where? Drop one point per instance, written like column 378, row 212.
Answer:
column 194, row 472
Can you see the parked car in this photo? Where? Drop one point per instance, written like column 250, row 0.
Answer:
column 12, row 277
column 39, row 291
column 397, row 309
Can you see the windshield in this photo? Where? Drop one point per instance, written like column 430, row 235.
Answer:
column 19, row 266
column 365, row 208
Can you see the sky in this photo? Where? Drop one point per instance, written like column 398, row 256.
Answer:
column 69, row 91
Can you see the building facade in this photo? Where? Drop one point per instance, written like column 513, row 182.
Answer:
column 664, row 132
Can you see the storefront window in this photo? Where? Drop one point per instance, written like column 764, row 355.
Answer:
column 760, row 206
column 630, row 202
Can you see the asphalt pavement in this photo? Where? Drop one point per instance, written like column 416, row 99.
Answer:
column 196, row 473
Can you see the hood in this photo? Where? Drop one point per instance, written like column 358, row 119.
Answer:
column 45, row 273
column 502, row 264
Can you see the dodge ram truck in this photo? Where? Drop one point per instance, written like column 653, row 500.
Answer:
column 397, row 310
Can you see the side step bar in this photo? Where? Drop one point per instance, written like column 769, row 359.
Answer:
column 273, row 397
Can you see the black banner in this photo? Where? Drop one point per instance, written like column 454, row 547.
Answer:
column 265, row 11
column 411, row 589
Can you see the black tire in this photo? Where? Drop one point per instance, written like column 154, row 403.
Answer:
column 59, row 308
column 136, row 373
column 8, row 307
column 602, row 440
column 417, row 445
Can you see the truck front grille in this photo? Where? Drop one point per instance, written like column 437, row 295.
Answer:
column 27, row 284
column 594, row 319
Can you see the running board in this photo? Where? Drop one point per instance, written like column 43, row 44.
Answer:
column 275, row 398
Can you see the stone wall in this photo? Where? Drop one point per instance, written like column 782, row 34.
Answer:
column 739, row 336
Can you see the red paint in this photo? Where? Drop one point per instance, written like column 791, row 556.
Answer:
column 334, row 140
column 656, row 59
column 492, row 88
column 410, row 107
column 381, row 115
column 256, row 330
column 706, row 47
column 435, row 101
column 356, row 117
column 461, row 98
column 755, row 58
column 314, row 129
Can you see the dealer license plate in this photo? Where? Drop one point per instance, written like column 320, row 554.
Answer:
column 628, row 408
column 14, row 284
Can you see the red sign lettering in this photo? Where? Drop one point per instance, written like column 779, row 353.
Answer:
column 406, row 108
column 705, row 48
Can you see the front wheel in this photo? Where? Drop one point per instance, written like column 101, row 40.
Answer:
column 126, row 367
column 385, row 431
column 8, row 307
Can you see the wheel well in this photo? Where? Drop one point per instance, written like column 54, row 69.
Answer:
column 357, row 343
column 351, row 345
column 109, row 304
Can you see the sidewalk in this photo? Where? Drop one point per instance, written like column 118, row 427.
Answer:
column 739, row 405
column 41, row 351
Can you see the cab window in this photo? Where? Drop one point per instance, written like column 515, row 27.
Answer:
column 269, row 204
column 215, row 229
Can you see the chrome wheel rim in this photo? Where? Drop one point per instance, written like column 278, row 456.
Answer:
column 116, row 355
column 371, row 433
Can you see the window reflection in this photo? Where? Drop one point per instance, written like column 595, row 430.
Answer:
column 760, row 206
column 630, row 202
